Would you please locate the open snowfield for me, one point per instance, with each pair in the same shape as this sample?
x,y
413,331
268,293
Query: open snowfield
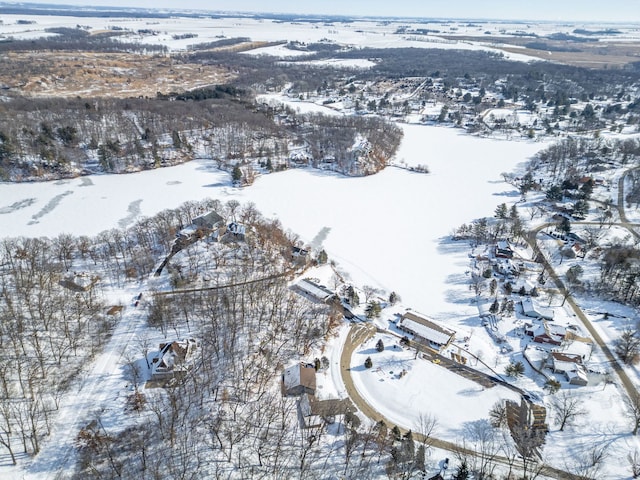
x,y
425,389
359,33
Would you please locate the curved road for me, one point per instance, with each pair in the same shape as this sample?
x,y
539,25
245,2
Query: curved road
x,y
360,333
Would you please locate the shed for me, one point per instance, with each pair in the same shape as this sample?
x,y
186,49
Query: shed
x,y
577,376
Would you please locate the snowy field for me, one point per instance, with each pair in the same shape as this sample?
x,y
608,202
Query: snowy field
x,y
425,389
359,33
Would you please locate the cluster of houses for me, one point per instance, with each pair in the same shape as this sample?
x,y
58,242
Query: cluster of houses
x,y
569,350
299,380
564,351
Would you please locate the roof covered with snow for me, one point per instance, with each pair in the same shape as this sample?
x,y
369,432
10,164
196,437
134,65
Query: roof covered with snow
x,y
426,328
299,374
531,309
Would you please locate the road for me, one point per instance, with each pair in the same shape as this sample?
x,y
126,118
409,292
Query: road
x,y
100,392
531,239
360,333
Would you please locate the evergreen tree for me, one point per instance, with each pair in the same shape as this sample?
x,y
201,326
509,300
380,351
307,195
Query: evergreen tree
x,y
513,214
565,225
380,346
463,471
322,257
554,193
373,309
236,175
501,211
552,385
368,363
420,458
495,306
515,369
177,141
394,298
581,208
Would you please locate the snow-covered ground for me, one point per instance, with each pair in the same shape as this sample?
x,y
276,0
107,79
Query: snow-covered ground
x,y
425,389
390,230
359,33
387,230
297,106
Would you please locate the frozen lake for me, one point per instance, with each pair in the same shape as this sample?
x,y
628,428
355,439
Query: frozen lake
x,y
385,230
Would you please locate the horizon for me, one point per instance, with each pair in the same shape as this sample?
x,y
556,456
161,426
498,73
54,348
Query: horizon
x,y
585,11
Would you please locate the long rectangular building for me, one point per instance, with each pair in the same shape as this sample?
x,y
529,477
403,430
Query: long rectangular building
x,y
426,330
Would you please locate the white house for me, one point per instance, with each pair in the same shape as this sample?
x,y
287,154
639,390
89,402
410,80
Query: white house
x,y
530,308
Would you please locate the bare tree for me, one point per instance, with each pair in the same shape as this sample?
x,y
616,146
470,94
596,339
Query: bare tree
x,y
567,409
426,425
588,464
634,462
633,406
628,345
498,414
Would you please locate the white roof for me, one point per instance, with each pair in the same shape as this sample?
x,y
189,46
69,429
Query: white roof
x,y
531,309
564,366
578,348
292,376
577,372
426,332
316,291
504,245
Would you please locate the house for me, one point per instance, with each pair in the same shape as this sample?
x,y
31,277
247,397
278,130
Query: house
x,y
530,308
174,358
578,376
208,221
563,362
546,332
299,255
236,231
506,266
577,345
524,287
299,379
503,249
317,292
427,331
313,413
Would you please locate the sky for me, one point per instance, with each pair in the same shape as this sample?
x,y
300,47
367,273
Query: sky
x,y
565,10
